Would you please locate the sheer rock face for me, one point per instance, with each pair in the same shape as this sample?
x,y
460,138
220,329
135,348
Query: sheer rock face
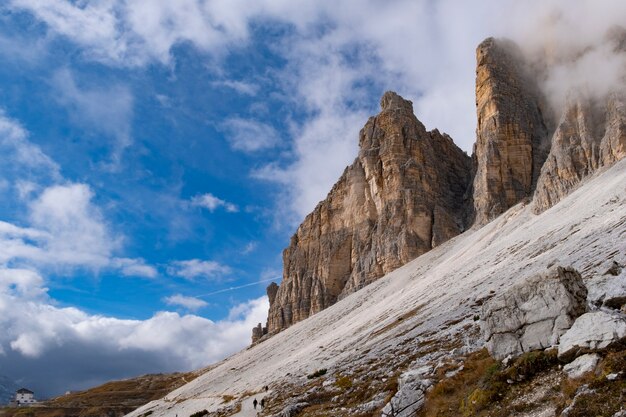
x,y
585,140
404,194
512,131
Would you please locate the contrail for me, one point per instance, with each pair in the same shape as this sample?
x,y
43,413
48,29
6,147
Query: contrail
x,y
237,287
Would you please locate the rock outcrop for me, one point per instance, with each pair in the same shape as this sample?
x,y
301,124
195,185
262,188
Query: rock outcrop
x,y
593,332
609,290
404,194
259,331
410,190
512,134
534,314
582,365
410,397
586,139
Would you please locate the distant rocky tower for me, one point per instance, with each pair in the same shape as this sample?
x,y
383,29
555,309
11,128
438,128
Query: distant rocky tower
x,y
512,136
404,194
589,136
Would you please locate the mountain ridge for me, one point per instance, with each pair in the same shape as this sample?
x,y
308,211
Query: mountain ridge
x,y
406,194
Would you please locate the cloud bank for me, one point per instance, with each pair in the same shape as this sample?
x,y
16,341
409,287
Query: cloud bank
x,y
54,349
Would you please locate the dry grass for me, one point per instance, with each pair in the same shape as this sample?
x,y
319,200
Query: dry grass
x,y
609,396
108,400
483,383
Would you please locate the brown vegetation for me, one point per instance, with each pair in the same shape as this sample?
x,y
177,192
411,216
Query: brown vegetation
x,y
111,399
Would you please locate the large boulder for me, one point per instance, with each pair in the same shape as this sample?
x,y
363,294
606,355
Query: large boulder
x,y
582,365
593,332
533,314
410,397
609,290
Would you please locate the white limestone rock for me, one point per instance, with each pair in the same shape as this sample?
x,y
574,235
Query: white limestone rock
x,y
593,332
410,396
582,365
609,290
533,314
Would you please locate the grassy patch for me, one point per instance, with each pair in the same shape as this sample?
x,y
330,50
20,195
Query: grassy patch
x,y
227,398
344,382
482,383
608,396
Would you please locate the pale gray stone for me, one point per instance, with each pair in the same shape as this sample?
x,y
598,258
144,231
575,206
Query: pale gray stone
x,y
592,332
534,314
582,365
608,290
410,396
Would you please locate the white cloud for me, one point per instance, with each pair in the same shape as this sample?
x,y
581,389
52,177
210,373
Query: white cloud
x,y
20,152
250,135
76,226
241,87
108,110
67,230
190,303
212,203
133,267
249,248
196,268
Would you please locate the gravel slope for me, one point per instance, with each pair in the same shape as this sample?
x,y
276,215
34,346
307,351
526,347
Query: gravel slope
x,y
436,295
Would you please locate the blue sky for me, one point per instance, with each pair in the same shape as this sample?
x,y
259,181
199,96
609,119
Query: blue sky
x,y
156,157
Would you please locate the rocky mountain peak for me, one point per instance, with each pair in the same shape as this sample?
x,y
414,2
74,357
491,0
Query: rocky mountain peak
x,y
392,101
512,133
402,196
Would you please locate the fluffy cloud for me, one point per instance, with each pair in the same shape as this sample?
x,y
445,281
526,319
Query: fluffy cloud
x,y
133,267
67,231
250,135
241,87
212,203
18,152
190,303
78,234
196,268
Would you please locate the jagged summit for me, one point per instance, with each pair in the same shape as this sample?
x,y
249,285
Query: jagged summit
x,y
589,136
512,137
402,196
392,101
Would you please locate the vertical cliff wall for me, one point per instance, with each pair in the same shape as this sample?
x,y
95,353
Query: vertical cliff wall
x,y
512,135
404,194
